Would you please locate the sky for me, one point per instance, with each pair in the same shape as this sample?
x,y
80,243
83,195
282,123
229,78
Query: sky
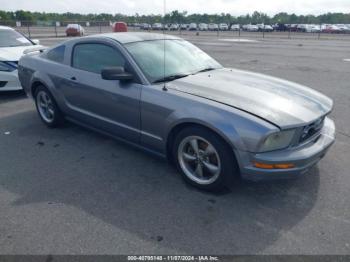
x,y
234,7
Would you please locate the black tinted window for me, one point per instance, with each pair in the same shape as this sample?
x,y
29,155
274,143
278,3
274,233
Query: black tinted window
x,y
57,54
95,57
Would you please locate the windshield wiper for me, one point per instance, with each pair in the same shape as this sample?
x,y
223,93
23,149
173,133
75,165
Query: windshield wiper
x,y
170,78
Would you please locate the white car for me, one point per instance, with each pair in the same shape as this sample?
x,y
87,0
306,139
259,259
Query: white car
x,y
343,28
213,27
235,27
157,26
203,27
313,28
12,46
223,27
252,28
174,27
192,27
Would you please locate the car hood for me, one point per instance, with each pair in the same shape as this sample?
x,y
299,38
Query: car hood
x,y
278,101
13,53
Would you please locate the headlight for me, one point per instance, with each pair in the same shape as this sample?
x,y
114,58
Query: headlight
x,y
7,66
278,140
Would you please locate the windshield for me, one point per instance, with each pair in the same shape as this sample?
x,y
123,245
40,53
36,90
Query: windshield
x,y
11,38
181,58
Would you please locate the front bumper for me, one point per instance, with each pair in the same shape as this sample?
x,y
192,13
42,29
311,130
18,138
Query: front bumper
x,y
9,81
303,157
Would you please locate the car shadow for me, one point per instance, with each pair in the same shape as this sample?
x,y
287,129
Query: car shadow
x,y
140,194
8,96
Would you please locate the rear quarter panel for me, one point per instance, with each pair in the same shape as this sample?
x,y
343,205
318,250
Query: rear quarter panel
x,y
27,66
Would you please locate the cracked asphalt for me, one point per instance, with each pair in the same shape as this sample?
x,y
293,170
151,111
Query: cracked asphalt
x,y
72,191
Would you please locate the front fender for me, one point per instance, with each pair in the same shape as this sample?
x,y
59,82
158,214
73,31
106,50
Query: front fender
x,y
241,130
162,111
226,131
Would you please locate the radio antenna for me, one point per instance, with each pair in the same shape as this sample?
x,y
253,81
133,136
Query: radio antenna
x,y
164,39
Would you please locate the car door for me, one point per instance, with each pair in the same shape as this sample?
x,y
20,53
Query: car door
x,y
110,105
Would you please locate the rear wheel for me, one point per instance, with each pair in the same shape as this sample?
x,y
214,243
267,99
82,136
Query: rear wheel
x,y
47,107
204,159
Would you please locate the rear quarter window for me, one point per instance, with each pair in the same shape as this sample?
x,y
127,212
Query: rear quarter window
x,y
56,54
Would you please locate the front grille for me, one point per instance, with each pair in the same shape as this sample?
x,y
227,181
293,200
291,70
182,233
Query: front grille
x,y
311,131
3,83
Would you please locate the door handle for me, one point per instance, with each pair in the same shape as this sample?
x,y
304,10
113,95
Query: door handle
x,y
73,78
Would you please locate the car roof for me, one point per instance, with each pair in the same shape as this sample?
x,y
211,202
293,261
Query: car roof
x,y
73,25
130,37
6,28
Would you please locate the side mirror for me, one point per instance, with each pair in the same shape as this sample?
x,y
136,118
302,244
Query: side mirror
x,y
116,73
35,41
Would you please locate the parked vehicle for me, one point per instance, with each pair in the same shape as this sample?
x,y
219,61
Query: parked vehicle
x,y
343,28
12,46
120,27
146,26
233,123
174,27
252,28
293,27
333,29
192,27
312,29
203,27
74,30
157,26
348,27
184,26
265,28
235,27
213,27
223,27
301,28
280,27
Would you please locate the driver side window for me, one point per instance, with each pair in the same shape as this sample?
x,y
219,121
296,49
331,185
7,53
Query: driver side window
x,y
95,57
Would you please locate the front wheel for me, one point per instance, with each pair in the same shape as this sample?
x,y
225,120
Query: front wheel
x,y
204,159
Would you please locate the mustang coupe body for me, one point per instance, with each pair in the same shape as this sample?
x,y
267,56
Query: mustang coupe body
x,y
165,95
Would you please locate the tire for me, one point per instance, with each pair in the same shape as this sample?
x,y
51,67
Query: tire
x,y
47,108
217,162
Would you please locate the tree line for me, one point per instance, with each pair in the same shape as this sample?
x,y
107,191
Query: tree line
x,y
178,17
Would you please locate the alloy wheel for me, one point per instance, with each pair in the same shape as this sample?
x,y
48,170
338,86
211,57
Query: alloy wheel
x,y
199,160
45,106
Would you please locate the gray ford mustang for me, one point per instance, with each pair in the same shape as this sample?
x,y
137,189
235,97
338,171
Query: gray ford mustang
x,y
216,124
